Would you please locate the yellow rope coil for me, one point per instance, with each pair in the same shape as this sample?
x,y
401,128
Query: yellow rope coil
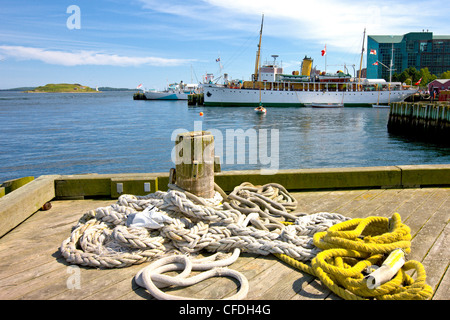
x,y
351,246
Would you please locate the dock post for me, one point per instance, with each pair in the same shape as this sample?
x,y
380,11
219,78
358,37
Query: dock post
x,y
194,156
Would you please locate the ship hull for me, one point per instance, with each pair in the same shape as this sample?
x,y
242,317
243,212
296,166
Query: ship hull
x,y
223,96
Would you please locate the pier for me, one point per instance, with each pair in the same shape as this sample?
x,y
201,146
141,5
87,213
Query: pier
x,y
139,96
196,99
422,121
32,266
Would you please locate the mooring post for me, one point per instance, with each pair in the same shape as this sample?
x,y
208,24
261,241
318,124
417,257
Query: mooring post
x,y
194,156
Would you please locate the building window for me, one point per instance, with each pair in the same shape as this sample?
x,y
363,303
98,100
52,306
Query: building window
x,y
410,45
438,46
423,46
411,59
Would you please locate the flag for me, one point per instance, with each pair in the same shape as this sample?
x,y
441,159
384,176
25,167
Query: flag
x,y
324,51
373,51
139,86
418,82
218,59
375,63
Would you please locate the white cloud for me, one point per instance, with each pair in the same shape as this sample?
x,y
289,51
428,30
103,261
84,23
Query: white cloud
x,y
338,23
78,58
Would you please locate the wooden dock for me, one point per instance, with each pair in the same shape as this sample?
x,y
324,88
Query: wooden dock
x,y
31,266
421,121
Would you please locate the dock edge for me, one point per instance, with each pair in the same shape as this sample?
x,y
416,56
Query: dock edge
x,y
18,205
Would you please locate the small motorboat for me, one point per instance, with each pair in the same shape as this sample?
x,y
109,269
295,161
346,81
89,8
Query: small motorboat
x,y
327,105
260,110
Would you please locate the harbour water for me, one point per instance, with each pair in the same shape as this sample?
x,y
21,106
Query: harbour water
x,y
109,132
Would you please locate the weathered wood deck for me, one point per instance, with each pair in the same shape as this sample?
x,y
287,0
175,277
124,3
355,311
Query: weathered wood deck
x,y
31,266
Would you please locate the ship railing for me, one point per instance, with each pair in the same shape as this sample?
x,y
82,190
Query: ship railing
x,y
317,86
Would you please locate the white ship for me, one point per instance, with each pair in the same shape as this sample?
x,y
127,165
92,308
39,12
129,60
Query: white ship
x,y
173,92
279,94
274,89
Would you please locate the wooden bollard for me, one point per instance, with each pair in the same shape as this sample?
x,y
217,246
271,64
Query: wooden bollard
x,y
194,156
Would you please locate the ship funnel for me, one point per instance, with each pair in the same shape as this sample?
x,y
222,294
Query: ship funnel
x,y
306,66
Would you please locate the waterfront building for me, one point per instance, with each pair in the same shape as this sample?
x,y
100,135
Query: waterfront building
x,y
441,84
414,49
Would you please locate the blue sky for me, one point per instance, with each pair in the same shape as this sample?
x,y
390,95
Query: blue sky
x,y
126,43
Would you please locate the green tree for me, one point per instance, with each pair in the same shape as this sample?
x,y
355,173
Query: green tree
x,y
414,74
395,77
445,75
403,76
426,76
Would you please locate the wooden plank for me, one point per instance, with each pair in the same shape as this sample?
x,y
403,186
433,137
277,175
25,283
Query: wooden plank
x,y
97,280
307,200
34,279
437,260
328,201
423,175
12,185
336,200
19,246
348,208
418,197
20,204
288,284
424,211
394,198
315,290
371,203
425,238
443,291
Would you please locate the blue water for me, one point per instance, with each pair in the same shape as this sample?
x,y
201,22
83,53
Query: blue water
x,y
111,133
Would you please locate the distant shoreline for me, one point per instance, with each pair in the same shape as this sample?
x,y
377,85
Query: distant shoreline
x,y
42,89
62,87
32,91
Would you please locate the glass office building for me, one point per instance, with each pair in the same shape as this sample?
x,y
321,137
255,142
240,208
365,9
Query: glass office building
x,y
414,49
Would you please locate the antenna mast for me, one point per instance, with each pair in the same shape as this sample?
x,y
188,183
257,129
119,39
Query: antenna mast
x,y
258,53
362,53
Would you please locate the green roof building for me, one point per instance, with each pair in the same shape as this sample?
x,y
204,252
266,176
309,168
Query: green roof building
x,y
414,49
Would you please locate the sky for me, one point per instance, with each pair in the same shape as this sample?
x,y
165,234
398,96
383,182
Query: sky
x,y
122,44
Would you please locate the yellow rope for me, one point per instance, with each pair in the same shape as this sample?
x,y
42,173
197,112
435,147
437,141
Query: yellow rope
x,y
351,246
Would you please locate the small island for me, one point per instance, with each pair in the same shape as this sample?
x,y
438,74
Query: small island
x,y
62,87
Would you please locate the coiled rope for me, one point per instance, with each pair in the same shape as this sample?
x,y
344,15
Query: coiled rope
x,y
250,221
350,247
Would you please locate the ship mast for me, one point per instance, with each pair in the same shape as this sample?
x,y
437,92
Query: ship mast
x,y
258,53
362,53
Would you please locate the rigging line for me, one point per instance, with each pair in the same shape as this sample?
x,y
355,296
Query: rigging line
x,y
245,46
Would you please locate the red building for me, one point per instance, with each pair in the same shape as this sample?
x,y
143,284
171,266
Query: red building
x,y
438,85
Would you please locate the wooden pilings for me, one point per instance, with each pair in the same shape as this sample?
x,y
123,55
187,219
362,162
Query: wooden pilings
x,y
139,96
425,121
196,99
